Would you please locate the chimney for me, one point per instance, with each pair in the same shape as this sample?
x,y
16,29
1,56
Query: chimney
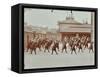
x,y
71,14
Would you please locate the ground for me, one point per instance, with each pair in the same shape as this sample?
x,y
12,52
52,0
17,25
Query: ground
x,y
46,60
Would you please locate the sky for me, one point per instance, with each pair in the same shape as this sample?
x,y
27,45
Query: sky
x,y
46,18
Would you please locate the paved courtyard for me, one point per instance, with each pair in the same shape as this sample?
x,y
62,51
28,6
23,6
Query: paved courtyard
x,y
46,60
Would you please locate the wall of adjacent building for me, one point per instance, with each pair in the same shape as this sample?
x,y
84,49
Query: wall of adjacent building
x,y
74,28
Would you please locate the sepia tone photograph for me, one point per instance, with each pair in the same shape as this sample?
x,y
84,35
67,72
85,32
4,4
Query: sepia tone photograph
x,y
58,38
